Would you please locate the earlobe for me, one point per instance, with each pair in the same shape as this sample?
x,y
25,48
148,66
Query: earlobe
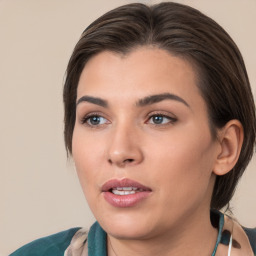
x,y
230,139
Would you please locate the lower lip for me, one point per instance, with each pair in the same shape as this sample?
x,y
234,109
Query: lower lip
x,y
125,200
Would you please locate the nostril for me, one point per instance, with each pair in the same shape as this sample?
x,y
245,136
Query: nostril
x,y
129,160
121,162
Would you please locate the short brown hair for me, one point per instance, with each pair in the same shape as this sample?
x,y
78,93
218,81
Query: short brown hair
x,y
186,32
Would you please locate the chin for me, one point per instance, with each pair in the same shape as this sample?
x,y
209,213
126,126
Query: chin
x,y
127,227
129,232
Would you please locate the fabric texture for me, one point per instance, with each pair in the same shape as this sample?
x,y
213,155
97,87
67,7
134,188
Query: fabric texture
x,y
251,233
53,245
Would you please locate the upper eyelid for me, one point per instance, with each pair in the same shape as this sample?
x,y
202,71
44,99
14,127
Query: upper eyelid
x,y
92,113
162,113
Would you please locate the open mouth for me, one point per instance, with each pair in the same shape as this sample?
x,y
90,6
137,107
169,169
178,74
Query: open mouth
x,y
125,192
124,187
121,191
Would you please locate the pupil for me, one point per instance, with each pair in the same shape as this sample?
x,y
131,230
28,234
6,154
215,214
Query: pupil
x,y
95,120
158,119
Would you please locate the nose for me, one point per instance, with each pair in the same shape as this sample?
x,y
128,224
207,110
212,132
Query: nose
x,y
125,148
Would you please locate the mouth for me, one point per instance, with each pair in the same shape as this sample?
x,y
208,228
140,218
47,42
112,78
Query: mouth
x,y
124,187
125,192
122,191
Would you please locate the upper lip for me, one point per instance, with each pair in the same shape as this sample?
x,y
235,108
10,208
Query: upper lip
x,y
115,183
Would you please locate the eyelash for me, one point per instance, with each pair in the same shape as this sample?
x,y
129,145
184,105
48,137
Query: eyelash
x,y
171,120
85,119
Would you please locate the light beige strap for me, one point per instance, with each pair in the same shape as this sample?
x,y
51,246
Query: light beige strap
x,y
78,244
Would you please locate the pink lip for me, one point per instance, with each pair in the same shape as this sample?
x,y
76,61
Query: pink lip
x,y
124,200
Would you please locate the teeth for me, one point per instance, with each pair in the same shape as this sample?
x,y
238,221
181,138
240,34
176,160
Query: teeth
x,y
122,192
125,190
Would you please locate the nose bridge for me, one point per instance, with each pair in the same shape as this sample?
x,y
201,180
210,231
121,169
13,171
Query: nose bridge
x,y
124,147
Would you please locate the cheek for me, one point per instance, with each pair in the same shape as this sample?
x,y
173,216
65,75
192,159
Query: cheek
x,y
87,166
86,154
183,164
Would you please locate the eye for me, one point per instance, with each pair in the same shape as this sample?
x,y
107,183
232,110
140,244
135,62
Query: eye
x,y
160,119
94,120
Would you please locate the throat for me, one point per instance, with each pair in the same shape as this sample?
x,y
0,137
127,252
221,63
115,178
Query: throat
x,y
189,241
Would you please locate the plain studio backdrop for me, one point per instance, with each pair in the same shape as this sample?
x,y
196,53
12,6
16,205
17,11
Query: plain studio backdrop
x,y
39,191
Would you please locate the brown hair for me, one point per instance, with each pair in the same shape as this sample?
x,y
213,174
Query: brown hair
x,y
185,32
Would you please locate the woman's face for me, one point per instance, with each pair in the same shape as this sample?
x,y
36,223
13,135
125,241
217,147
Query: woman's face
x,y
142,145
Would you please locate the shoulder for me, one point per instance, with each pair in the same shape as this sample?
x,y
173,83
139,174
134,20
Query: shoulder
x,y
251,233
53,245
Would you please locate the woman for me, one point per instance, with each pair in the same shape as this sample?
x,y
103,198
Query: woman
x,y
160,121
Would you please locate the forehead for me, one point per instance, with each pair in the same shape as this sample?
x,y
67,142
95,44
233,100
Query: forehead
x,y
145,70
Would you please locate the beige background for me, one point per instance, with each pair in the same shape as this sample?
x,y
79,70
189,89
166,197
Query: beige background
x,y
39,191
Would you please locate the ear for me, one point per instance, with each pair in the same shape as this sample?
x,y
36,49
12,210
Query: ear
x,y
230,139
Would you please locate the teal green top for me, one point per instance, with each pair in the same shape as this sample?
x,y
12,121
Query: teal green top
x,y
56,244
53,245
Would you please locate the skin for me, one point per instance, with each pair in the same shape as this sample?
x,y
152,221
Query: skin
x,y
175,158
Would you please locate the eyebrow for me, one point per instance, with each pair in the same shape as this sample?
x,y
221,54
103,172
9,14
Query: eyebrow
x,y
94,100
160,97
149,100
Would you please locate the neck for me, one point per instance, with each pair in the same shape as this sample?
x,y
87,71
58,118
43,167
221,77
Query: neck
x,y
195,236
